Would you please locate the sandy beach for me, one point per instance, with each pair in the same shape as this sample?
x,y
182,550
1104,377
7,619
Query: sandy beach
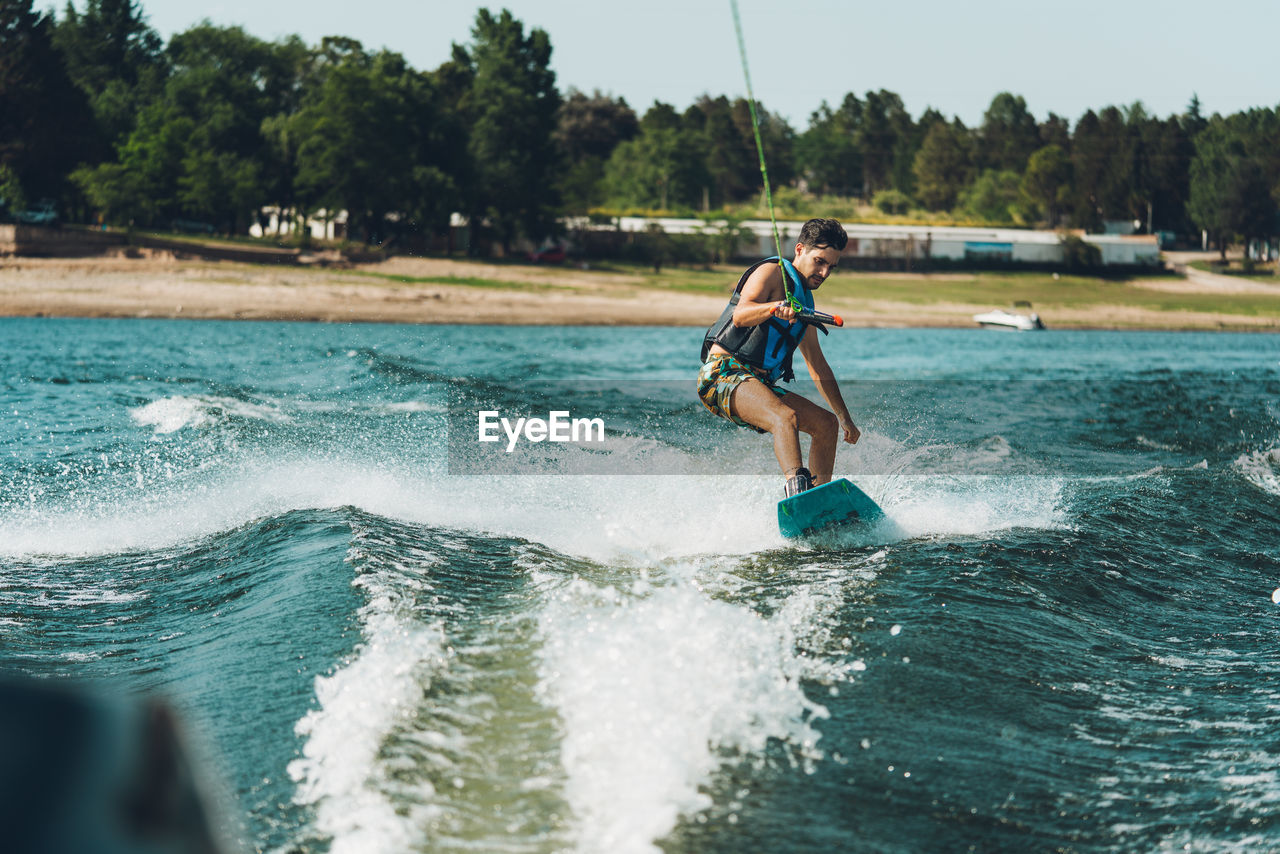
x,y
156,284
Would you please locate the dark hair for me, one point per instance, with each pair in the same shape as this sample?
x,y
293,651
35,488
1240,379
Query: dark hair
x,y
825,233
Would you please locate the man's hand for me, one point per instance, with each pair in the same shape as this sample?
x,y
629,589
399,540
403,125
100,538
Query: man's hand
x,y
851,431
783,311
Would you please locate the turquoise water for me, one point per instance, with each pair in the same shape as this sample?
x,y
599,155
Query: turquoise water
x,y
1064,637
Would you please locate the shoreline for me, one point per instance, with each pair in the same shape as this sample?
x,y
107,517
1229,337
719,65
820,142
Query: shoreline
x,y
446,291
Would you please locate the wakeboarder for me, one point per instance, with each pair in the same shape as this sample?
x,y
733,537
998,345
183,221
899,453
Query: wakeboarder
x,y
749,349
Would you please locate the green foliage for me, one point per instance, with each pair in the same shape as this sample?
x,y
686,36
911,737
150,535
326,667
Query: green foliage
x,y
44,119
1235,170
1162,178
197,149
703,159
115,58
119,192
362,142
863,147
12,196
511,108
894,202
885,137
217,125
1079,256
725,235
588,130
994,197
1103,156
828,154
725,144
944,165
1046,185
1008,135
659,168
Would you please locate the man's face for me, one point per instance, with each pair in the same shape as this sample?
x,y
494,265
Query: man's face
x,y
815,263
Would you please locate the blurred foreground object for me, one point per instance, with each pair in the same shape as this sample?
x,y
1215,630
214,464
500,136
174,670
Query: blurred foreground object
x,y
86,771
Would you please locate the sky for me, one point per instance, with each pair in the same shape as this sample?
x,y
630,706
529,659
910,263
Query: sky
x,y
952,55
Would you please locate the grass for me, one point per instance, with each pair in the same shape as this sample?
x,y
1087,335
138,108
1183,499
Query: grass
x,y
463,281
1045,292
979,288
1266,273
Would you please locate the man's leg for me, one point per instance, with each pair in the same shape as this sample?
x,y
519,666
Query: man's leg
x,y
786,417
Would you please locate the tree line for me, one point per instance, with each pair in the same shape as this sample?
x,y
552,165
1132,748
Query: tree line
x,y
216,125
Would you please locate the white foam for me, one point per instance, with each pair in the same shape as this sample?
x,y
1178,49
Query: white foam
x,y
651,689
1262,469
171,414
968,506
635,518
629,518
192,505
360,705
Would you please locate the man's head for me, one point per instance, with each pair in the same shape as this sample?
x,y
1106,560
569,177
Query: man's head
x,y
818,250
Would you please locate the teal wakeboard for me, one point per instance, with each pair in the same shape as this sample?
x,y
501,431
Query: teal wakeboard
x,y
834,506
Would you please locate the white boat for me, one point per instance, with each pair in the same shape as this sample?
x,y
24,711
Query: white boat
x,y
1001,319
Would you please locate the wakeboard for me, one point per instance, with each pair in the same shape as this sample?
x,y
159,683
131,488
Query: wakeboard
x,y
834,506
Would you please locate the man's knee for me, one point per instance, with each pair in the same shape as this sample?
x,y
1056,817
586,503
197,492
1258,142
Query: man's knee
x,y
784,421
825,425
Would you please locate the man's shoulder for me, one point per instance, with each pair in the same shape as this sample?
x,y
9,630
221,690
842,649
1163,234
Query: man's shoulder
x,y
766,275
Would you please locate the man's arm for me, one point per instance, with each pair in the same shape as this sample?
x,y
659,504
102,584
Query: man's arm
x,y
816,362
761,298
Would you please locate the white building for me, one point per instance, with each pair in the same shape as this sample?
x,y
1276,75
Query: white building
x,y
918,242
321,224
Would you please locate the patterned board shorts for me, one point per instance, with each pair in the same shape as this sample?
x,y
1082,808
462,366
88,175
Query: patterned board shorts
x,y
719,376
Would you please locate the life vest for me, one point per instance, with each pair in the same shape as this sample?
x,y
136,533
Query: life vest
x,y
770,345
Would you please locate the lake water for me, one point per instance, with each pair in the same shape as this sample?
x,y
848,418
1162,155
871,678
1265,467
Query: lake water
x,y
392,637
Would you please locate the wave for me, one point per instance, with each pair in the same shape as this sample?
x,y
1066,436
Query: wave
x,y
360,705
171,414
190,492
656,688
636,520
594,717
185,412
1261,468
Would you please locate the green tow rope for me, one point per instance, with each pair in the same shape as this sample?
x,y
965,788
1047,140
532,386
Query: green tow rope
x,y
764,170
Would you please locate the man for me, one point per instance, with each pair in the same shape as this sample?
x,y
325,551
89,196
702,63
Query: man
x,y
750,347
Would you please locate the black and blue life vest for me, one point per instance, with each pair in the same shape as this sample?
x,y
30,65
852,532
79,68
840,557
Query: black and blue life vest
x,y
770,345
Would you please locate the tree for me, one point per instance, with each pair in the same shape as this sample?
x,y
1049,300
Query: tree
x,y
778,140
116,58
44,119
288,83
1161,169
371,140
1102,157
1230,193
828,154
994,197
588,129
226,83
1055,130
885,140
512,107
661,168
944,165
1008,135
198,150
729,154
1193,120
141,185
1046,185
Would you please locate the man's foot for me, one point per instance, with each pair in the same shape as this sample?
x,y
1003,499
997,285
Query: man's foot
x,y
799,482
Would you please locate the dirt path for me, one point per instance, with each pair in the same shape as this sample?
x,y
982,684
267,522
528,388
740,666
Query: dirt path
x,y
157,285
